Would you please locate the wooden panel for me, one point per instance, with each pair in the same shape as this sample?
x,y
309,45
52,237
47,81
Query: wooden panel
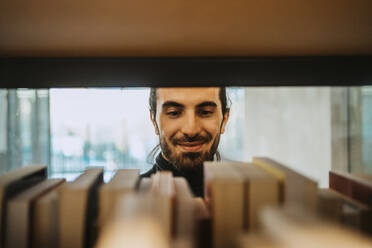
x,y
185,28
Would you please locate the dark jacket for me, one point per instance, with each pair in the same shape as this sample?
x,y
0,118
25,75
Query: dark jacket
x,y
194,178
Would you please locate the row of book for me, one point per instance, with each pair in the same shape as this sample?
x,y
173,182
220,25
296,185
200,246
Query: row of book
x,y
258,204
40,212
267,204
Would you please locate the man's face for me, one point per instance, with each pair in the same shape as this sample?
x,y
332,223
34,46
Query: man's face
x,y
189,122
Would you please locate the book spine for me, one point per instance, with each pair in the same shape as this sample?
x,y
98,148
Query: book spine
x,y
350,188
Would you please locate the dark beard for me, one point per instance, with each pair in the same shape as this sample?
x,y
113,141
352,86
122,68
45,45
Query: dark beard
x,y
189,161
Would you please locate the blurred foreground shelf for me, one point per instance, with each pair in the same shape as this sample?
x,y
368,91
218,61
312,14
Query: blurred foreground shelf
x,y
258,204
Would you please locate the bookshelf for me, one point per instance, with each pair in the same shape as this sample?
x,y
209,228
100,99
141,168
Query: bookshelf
x,y
55,72
337,43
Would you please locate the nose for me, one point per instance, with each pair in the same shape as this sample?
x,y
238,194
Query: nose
x,y
191,125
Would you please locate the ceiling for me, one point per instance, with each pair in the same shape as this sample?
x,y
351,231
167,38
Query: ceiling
x,y
69,28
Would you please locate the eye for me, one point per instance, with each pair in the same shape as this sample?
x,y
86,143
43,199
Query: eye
x,y
205,113
173,113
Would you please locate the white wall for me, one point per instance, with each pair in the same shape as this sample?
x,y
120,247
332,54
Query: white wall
x,y
291,125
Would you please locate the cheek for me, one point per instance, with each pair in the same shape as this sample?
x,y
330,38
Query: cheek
x,y
212,127
168,128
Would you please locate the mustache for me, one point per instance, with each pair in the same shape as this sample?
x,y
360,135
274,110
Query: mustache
x,y
196,138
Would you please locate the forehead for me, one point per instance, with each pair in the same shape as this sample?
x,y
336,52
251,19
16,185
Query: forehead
x,y
188,96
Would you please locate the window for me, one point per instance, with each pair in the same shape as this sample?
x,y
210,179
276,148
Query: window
x,y
112,128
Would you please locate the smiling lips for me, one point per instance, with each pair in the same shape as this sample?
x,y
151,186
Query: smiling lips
x,y
191,146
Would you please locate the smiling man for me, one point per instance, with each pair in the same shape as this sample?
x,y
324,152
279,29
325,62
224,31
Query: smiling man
x,y
189,122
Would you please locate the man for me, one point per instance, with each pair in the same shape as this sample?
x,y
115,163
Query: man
x,y
189,122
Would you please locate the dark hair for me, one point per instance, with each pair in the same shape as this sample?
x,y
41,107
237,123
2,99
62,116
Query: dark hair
x,y
152,103
223,99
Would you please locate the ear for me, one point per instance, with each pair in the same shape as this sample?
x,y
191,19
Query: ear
x,y
152,117
224,121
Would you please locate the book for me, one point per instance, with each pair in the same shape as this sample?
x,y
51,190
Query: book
x,y
355,187
297,227
224,195
367,177
20,213
162,186
78,206
184,211
144,185
261,190
14,182
45,232
203,233
202,211
296,188
136,223
258,240
124,181
345,210
330,205
243,188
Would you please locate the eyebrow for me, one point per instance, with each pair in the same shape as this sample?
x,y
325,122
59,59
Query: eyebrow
x,y
207,104
168,104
